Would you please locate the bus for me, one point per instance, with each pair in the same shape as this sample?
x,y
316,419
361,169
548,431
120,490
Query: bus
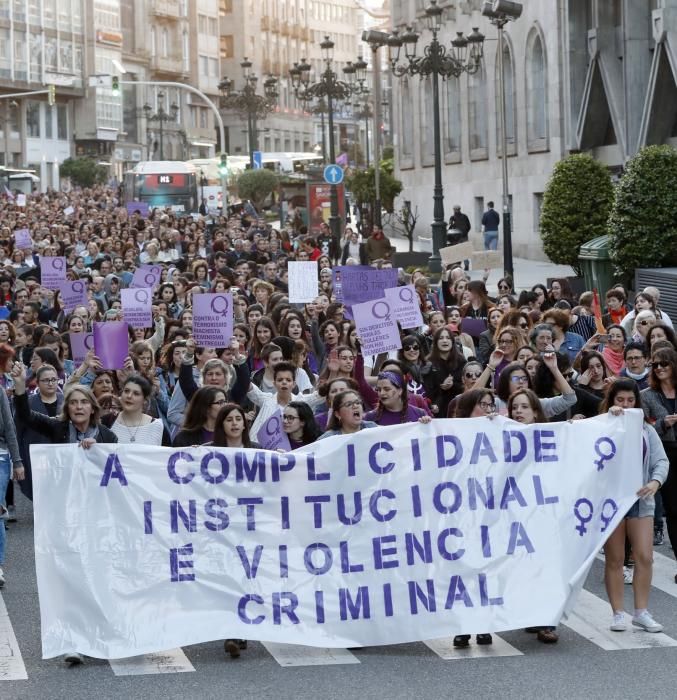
x,y
18,180
163,183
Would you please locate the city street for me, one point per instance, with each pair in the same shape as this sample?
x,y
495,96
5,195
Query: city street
x,y
588,662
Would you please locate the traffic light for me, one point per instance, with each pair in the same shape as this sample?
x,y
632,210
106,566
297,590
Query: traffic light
x,y
223,165
51,95
115,85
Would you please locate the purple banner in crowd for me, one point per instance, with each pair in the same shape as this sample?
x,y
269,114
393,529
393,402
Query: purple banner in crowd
x,y
271,436
406,306
141,207
136,307
81,344
213,320
357,283
111,343
52,271
376,327
73,294
22,239
146,276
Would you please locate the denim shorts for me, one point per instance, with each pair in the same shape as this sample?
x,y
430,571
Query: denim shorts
x,y
634,511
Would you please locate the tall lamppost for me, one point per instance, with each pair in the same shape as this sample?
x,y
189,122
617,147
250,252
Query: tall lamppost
x,y
500,12
463,56
333,89
161,117
321,109
250,105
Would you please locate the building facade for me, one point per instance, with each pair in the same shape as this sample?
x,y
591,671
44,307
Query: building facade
x,y
580,75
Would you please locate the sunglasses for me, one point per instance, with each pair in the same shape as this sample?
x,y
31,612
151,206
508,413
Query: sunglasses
x,y
472,375
660,364
523,325
411,347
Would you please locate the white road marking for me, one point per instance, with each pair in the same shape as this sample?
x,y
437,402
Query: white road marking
x,y
172,661
446,650
299,655
12,666
664,570
591,619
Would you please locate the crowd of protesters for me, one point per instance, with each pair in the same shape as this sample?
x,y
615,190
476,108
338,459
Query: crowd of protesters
x,y
534,355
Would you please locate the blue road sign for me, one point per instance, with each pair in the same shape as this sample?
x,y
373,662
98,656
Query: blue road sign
x,y
258,160
333,174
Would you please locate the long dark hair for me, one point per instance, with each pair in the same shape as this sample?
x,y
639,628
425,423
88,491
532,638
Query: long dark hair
x,y
198,408
503,386
333,423
455,358
311,430
467,401
618,385
220,439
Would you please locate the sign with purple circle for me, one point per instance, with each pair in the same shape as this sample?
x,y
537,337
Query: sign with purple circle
x,y
137,307
146,277
81,344
213,320
271,436
376,327
52,271
22,239
111,343
405,305
73,294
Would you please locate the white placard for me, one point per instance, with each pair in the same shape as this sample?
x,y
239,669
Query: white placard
x,y
456,253
302,281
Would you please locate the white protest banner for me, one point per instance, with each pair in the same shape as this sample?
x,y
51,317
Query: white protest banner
x,y
302,281
137,307
21,200
487,259
213,320
456,253
68,211
387,536
406,306
271,436
376,327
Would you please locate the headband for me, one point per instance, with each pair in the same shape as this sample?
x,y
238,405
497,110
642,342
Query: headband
x,y
392,377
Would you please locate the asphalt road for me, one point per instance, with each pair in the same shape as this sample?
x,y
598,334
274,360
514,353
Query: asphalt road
x,y
583,664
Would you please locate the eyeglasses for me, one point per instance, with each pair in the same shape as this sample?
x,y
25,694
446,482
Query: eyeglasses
x,y
220,402
506,342
289,418
351,404
52,380
487,405
660,364
472,375
411,348
519,379
503,287
634,358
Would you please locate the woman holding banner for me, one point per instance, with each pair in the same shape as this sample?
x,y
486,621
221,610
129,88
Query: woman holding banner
x,y
347,415
299,424
201,414
393,407
637,525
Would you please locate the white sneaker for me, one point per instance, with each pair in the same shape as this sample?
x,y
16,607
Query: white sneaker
x,y
618,624
628,573
73,658
646,622
2,578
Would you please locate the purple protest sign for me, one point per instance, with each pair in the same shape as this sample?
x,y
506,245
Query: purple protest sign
x,y
146,277
81,344
405,305
111,343
73,294
22,239
271,436
136,307
52,271
357,283
213,320
376,327
141,207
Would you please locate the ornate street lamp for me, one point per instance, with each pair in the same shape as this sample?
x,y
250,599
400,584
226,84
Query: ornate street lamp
x,y
463,55
161,117
248,104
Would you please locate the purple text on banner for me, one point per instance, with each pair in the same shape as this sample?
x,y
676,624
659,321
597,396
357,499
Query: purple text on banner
x,y
146,276
52,271
137,307
357,283
73,294
22,239
111,343
81,344
271,436
141,207
376,327
406,306
213,320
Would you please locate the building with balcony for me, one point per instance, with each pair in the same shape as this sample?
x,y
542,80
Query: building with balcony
x,y
40,44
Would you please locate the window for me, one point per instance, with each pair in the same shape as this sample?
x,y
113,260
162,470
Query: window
x,y
538,206
213,67
453,122
33,119
537,92
477,111
164,43
49,122
213,26
186,52
227,46
153,42
509,88
407,120
225,6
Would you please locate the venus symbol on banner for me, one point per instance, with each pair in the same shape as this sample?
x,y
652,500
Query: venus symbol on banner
x,y
405,306
383,313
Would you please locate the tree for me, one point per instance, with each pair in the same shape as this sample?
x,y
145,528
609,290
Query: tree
x,y
362,184
257,185
643,221
83,172
408,219
576,205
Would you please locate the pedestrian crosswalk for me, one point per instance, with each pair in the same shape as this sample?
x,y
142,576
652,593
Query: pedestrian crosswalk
x,y
589,620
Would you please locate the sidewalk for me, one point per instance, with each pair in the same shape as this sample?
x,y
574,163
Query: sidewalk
x,y
527,272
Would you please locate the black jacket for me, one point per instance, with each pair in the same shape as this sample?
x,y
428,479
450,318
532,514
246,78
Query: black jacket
x,y
346,254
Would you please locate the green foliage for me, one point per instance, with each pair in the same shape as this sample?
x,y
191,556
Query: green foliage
x,y
83,172
361,184
576,205
257,185
643,220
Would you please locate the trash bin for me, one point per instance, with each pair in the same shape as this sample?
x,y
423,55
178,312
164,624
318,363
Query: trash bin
x,y
596,265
